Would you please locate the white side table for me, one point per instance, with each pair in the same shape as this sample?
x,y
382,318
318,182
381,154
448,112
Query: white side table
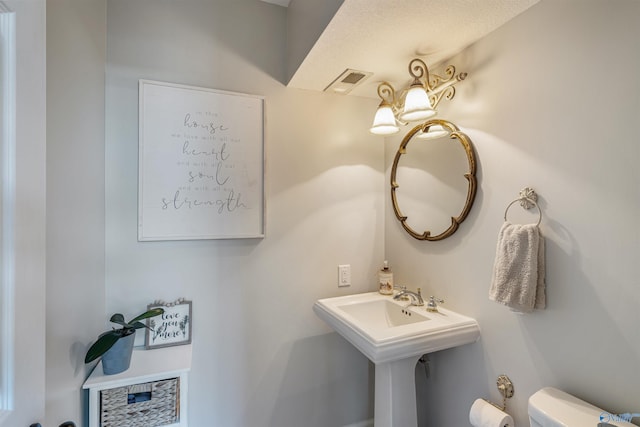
x,y
146,366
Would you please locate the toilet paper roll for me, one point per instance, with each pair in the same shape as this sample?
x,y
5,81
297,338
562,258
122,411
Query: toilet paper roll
x,y
484,414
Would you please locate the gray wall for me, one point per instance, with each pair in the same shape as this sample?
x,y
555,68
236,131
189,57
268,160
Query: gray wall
x,y
306,20
260,355
546,104
76,43
550,102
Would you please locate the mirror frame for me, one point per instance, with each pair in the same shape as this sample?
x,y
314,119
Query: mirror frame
x,y
454,133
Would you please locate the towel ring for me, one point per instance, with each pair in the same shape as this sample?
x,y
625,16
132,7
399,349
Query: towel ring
x,y
528,199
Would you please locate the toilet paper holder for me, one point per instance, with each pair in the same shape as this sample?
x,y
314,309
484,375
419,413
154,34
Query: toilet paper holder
x,y
505,387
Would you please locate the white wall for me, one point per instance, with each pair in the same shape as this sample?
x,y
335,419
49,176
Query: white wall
x,y
260,355
552,102
76,36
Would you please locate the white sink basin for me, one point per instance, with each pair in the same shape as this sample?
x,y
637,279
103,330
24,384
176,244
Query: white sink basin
x,y
381,314
385,330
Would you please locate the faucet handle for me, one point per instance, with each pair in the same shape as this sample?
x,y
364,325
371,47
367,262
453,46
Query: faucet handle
x,y
432,305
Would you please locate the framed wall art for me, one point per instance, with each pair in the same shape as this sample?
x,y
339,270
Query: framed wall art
x,y
171,328
201,163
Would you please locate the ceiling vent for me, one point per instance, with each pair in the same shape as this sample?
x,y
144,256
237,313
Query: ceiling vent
x,y
346,81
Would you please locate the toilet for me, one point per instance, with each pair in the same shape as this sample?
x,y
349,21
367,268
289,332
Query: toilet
x,y
550,407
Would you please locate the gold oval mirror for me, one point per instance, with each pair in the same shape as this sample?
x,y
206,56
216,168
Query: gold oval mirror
x,y
437,177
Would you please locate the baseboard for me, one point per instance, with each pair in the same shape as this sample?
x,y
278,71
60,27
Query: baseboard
x,y
366,423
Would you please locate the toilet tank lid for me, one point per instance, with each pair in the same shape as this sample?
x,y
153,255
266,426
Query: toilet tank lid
x,y
551,407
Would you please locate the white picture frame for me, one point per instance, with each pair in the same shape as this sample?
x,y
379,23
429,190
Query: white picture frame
x,y
201,163
171,328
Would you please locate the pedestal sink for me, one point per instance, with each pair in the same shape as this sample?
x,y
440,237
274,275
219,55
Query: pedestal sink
x,y
394,336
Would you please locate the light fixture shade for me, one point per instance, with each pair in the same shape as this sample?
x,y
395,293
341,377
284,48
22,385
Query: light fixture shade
x,y
417,105
435,131
384,122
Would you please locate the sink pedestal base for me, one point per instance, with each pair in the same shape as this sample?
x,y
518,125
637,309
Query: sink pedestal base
x,y
394,336
395,394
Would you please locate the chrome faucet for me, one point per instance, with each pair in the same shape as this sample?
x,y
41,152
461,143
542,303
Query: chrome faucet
x,y
403,297
416,297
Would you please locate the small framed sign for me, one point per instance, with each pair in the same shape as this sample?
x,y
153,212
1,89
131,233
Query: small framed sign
x,y
171,328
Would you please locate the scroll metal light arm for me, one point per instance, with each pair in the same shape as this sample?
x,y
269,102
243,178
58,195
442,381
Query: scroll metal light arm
x,y
437,86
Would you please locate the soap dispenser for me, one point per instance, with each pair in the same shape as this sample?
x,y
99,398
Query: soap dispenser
x,y
385,280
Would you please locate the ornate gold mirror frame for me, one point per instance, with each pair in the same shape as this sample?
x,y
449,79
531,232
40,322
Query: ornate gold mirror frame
x,y
454,133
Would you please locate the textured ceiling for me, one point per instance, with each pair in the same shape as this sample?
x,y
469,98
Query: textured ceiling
x,y
382,36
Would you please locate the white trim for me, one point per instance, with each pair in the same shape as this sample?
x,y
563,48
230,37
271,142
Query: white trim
x,y
365,423
284,3
7,211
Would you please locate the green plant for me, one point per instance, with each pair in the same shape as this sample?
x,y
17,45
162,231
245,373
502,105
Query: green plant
x,y
106,340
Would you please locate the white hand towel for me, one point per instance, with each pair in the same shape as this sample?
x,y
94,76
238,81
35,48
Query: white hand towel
x,y
519,270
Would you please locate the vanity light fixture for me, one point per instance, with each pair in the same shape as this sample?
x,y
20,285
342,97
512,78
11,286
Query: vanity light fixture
x,y
417,102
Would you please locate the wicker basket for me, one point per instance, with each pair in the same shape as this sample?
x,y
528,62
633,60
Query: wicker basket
x,y
119,408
